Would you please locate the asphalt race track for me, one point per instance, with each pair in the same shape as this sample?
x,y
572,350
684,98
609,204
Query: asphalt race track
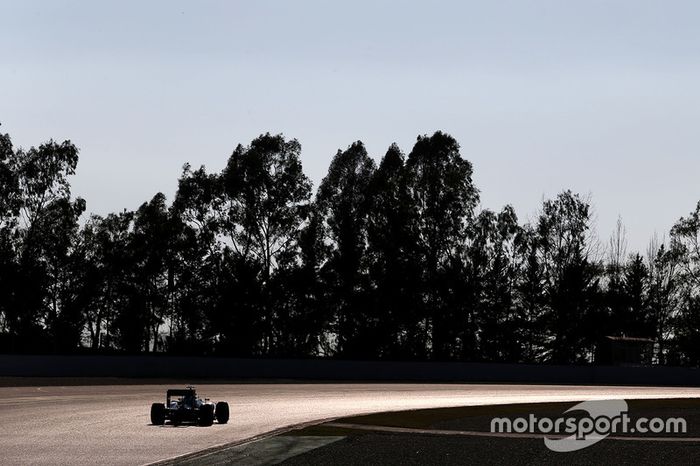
x,y
111,424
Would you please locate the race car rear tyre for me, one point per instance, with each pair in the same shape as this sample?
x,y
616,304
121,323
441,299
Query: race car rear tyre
x,y
206,415
222,412
157,414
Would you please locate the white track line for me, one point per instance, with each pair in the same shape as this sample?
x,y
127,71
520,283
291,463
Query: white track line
x,y
474,433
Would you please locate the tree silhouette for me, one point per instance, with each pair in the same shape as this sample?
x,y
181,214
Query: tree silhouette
x,y
663,298
443,194
386,262
685,248
394,269
571,277
268,195
38,227
199,258
343,204
494,272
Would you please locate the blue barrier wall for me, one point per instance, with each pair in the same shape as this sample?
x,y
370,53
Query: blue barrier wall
x,y
156,366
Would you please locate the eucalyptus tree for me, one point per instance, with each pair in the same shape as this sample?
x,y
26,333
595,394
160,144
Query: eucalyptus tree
x,y
685,246
198,204
151,274
531,301
300,300
444,196
343,202
39,225
493,273
394,268
572,276
266,200
685,242
103,267
616,299
198,209
636,292
268,195
9,184
664,297
64,295
9,212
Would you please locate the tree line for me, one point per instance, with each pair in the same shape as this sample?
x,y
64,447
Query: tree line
x,y
393,260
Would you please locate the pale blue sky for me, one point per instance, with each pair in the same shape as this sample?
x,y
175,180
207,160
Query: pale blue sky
x,y
602,97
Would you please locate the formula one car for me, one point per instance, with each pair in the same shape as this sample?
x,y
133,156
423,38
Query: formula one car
x,y
183,406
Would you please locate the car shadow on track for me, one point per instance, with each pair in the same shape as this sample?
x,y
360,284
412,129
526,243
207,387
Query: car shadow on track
x,y
175,426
